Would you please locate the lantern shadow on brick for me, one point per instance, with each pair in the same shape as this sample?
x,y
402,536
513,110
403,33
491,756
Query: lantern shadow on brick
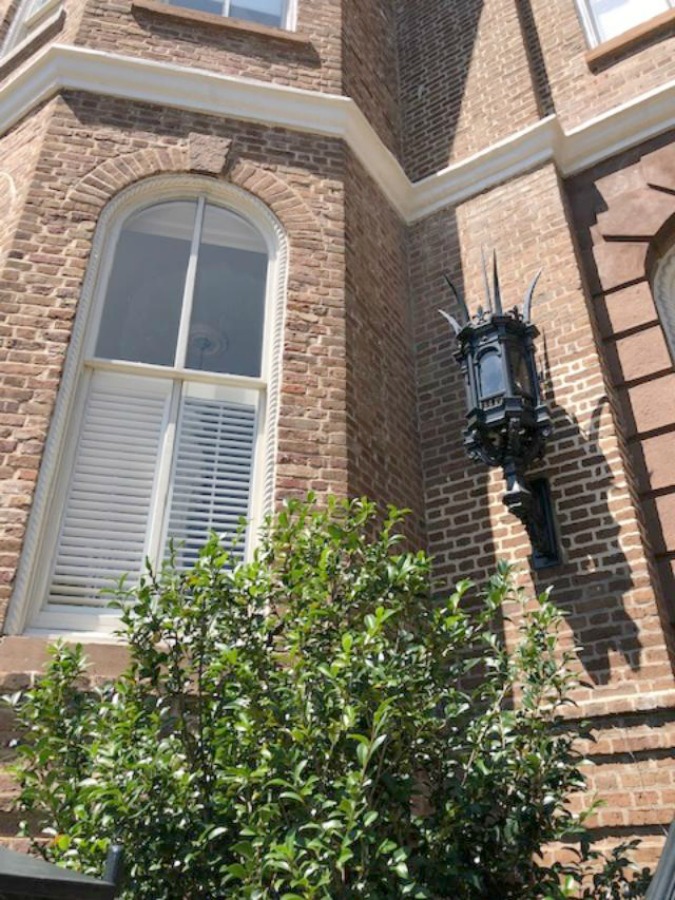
x,y
595,580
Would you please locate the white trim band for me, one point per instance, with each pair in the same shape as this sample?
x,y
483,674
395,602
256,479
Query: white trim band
x,y
60,67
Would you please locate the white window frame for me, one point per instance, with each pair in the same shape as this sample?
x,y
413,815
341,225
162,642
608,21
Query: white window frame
x,y
28,23
590,25
288,17
664,297
26,605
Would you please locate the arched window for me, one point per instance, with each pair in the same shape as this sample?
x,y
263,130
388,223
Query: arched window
x,y
166,432
664,296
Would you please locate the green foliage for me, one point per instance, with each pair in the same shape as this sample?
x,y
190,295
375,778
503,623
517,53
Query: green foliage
x,y
312,725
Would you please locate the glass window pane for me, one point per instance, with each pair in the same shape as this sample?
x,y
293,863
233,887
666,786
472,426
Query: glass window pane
x,y
143,301
208,6
264,12
491,375
226,326
613,17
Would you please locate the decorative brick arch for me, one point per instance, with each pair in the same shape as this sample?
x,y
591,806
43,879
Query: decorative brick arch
x,y
197,154
633,265
113,175
288,206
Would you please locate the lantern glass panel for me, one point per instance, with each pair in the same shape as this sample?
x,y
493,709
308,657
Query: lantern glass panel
x,y
520,372
491,374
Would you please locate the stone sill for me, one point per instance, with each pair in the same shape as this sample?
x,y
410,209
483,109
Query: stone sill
x,y
239,26
605,51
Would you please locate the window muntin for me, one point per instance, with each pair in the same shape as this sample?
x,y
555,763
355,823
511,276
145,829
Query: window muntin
x,y
168,427
273,13
606,19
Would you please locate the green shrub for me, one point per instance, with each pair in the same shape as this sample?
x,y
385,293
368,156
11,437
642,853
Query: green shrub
x,y
312,725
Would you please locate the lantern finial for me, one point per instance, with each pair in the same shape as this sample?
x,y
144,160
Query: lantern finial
x,y
527,305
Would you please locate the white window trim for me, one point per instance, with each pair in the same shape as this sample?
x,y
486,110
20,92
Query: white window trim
x,y
664,297
30,588
590,27
35,23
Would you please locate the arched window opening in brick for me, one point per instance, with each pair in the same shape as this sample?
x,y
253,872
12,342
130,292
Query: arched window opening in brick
x,y
664,295
169,431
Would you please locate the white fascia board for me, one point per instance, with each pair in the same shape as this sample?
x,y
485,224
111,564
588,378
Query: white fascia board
x,y
61,67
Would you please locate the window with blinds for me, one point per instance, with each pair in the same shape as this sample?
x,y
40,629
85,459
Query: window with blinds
x,y
170,404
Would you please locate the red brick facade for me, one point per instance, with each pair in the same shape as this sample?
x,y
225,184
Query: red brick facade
x,y
370,398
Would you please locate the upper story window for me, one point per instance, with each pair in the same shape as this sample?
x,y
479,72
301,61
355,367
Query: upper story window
x,y
606,19
31,18
273,13
165,436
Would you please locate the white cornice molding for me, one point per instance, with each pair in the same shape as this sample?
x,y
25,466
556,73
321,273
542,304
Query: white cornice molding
x,y
513,156
619,129
60,67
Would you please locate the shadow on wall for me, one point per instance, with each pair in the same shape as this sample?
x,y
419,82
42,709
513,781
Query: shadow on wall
x,y
436,41
438,49
592,584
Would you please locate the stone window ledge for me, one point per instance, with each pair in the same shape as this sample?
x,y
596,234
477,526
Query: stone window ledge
x,y
605,51
225,22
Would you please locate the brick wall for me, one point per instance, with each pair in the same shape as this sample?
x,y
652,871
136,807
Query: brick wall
x,y
117,26
370,65
465,79
383,442
606,583
577,92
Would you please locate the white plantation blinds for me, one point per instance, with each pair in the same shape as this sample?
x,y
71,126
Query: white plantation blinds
x,y
212,475
170,405
104,529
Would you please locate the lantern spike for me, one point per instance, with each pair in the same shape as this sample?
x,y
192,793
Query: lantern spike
x,y
452,321
527,305
486,280
495,281
460,300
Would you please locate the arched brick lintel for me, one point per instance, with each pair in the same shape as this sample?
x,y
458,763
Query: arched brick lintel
x,y
197,154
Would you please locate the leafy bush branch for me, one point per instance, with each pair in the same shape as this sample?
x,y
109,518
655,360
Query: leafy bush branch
x,y
312,724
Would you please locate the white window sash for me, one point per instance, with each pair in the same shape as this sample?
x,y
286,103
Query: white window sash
x,y
590,23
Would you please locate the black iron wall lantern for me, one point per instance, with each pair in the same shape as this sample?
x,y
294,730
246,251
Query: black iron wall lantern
x,y
508,423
